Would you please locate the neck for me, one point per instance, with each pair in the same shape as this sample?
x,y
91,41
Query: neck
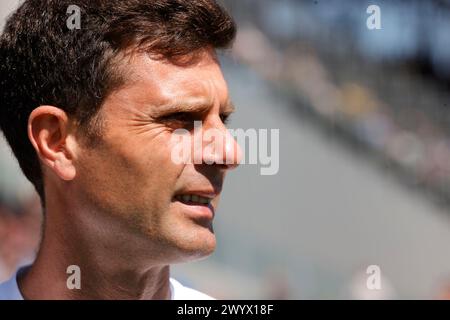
x,y
111,264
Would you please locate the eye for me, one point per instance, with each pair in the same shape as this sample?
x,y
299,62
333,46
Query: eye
x,y
179,116
179,120
186,119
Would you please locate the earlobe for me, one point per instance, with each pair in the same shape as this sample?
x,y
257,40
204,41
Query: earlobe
x,y
64,169
48,131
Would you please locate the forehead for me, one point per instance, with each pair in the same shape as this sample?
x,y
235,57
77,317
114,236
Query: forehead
x,y
160,82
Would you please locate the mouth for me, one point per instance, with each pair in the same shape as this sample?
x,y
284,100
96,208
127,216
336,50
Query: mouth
x,y
196,206
193,199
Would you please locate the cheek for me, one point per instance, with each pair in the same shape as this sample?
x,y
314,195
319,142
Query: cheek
x,y
133,174
147,165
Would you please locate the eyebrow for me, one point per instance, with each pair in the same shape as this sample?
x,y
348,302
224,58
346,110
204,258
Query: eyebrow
x,y
192,106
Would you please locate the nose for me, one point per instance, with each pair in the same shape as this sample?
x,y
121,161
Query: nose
x,y
220,147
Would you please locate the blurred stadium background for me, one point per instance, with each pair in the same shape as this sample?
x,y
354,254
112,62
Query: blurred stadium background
x,y
364,178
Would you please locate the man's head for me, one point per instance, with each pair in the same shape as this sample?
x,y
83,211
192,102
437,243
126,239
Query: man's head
x,y
90,112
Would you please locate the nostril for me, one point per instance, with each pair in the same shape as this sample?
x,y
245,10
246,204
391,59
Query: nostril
x,y
233,153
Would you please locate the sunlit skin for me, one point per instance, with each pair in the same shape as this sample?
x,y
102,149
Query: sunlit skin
x,y
111,208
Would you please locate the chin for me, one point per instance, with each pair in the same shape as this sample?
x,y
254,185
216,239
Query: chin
x,y
197,247
180,238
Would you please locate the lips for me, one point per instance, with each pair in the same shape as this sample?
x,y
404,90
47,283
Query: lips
x,y
193,199
196,204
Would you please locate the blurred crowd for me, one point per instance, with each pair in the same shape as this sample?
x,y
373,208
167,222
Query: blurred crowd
x,y
384,91
19,234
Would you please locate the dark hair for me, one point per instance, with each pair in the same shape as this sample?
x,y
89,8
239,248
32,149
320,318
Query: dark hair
x,y
44,62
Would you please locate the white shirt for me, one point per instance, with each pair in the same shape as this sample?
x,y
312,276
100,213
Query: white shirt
x,y
9,290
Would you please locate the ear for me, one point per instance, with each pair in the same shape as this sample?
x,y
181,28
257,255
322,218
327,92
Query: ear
x,y
48,129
